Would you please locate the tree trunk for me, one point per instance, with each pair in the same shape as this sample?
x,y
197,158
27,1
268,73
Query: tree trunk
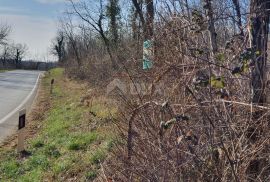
x,y
140,12
76,51
114,30
17,58
149,19
239,17
113,12
147,23
211,26
188,9
134,25
259,37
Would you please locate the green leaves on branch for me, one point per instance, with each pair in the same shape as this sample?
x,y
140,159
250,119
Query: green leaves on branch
x,y
245,59
243,68
217,82
214,81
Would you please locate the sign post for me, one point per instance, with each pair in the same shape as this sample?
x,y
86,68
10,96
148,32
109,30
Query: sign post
x,y
52,82
148,54
21,130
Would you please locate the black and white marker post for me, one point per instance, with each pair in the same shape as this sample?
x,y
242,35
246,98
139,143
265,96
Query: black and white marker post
x,y
21,130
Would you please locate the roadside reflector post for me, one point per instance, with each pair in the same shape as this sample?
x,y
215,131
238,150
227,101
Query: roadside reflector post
x,y
52,82
21,130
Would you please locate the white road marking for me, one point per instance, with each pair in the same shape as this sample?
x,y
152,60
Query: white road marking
x,y
16,110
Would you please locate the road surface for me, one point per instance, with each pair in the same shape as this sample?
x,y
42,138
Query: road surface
x,y
17,91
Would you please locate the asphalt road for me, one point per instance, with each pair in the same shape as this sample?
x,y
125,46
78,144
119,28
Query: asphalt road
x,y
17,90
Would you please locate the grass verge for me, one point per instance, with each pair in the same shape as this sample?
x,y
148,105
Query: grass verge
x,y
4,70
66,141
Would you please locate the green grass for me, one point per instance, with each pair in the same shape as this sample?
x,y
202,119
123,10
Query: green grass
x,y
98,156
64,145
91,175
4,70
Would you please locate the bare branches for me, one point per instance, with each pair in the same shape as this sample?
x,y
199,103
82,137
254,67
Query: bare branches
x,y
239,16
139,11
83,12
203,77
259,40
147,22
58,47
213,35
4,32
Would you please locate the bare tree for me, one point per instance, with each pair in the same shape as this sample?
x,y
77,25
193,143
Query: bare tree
x,y
58,48
149,18
211,27
138,8
7,53
68,29
86,37
95,20
188,8
134,26
239,16
147,22
20,51
113,12
259,38
4,32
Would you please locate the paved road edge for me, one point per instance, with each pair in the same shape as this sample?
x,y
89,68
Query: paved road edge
x,y
9,124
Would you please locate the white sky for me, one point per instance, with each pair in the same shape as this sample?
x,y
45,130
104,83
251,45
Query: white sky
x,y
37,33
33,22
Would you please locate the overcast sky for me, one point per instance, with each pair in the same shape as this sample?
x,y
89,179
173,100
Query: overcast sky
x,y
33,22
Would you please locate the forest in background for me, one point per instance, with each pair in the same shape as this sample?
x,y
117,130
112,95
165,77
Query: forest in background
x,y
211,122
12,55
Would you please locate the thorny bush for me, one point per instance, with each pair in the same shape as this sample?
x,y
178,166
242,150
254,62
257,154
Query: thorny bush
x,y
203,127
